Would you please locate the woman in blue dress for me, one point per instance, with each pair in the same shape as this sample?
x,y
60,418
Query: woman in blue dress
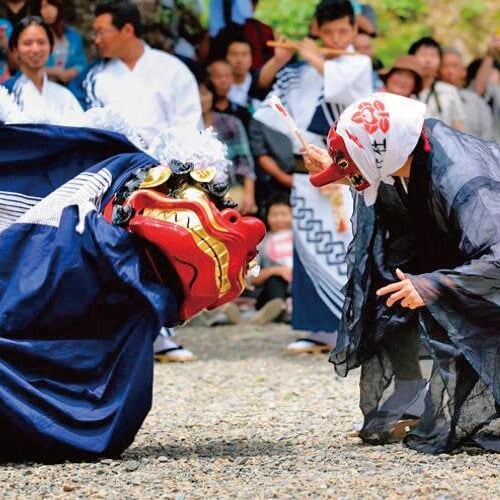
x,y
68,58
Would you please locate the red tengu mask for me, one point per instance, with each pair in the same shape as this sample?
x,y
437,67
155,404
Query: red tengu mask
x,y
342,165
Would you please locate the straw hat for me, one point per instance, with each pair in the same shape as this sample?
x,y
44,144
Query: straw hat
x,y
409,63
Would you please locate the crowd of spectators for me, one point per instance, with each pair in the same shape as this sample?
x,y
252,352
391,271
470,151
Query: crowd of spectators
x,y
220,78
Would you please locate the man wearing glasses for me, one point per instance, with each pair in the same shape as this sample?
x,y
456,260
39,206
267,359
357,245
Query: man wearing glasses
x,y
147,87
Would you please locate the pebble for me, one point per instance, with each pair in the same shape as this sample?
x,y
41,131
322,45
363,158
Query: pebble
x,y
131,465
247,421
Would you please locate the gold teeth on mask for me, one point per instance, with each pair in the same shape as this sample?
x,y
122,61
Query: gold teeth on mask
x,y
212,247
204,175
156,176
195,193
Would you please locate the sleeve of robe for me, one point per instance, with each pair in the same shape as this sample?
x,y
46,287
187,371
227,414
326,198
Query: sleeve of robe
x,y
465,300
347,78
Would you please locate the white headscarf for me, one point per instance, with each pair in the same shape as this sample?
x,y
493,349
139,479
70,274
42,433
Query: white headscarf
x,y
380,132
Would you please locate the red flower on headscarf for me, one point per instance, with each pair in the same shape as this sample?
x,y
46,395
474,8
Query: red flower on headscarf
x,y
372,116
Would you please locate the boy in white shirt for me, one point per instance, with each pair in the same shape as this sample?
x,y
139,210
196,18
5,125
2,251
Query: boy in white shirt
x,y
315,91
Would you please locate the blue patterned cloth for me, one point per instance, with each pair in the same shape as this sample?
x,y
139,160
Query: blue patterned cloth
x,y
78,309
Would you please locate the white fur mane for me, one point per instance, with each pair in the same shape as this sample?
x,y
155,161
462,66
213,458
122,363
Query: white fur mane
x,y
186,144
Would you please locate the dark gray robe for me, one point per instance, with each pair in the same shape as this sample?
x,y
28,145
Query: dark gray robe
x,y
445,234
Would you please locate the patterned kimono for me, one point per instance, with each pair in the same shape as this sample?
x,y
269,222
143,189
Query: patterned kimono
x,y
320,221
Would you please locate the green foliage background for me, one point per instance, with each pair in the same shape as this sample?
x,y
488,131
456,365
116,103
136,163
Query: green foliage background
x,y
464,24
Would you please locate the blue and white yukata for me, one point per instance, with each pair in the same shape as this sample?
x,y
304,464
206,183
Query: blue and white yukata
x,y
315,102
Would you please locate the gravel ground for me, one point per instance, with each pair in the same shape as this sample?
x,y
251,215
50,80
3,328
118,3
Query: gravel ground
x,y
247,421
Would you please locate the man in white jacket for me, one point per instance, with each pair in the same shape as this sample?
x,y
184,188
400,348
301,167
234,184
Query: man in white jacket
x,y
149,88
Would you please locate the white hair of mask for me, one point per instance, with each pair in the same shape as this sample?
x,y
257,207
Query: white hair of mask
x,y
101,118
186,144
107,118
189,145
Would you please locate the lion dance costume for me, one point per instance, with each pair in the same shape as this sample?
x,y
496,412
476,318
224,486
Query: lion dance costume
x,y
102,243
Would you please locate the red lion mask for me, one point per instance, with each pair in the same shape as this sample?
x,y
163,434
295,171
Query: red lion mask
x,y
209,245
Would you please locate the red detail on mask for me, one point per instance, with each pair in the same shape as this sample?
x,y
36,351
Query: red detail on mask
x,y
342,165
209,249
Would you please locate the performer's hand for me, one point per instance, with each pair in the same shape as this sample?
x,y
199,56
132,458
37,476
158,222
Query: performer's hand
x,y
330,189
308,50
403,291
281,55
316,159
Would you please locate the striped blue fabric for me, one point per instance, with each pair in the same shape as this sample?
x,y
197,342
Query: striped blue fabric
x,y
78,309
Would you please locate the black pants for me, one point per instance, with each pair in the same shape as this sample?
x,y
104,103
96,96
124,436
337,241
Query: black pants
x,y
273,288
403,349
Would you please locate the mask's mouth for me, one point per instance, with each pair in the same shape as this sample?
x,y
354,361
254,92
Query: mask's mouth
x,y
195,242
209,245
350,171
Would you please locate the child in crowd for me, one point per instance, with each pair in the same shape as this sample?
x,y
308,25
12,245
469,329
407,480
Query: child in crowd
x,y
315,91
276,261
221,80
247,90
231,131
